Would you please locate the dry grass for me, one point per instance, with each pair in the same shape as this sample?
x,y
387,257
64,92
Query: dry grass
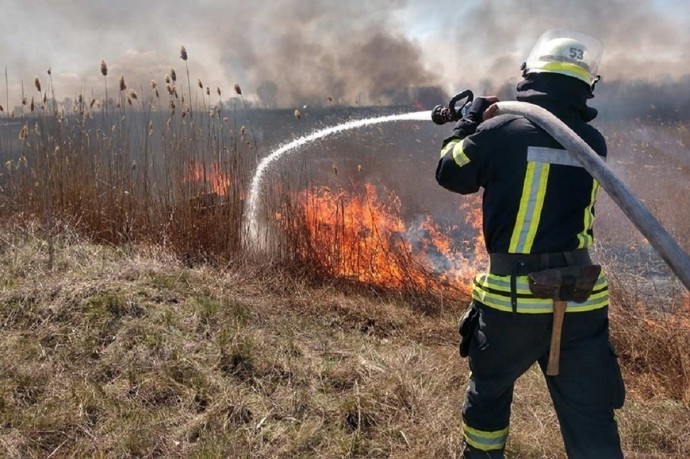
x,y
119,354
653,344
116,353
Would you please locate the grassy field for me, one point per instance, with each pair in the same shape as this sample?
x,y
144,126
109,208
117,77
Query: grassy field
x,y
135,323
129,352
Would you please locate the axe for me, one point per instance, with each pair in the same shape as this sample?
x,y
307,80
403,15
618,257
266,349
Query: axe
x,y
556,331
572,283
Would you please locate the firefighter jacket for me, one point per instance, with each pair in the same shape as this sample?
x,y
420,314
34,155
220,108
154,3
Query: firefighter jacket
x,y
536,198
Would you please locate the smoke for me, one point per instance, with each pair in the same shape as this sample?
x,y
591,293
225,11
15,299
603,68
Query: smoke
x,y
642,40
320,51
368,66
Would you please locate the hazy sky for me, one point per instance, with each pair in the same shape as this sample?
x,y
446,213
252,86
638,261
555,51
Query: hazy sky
x,y
314,49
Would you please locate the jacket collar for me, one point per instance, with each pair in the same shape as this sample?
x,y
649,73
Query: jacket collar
x,y
562,95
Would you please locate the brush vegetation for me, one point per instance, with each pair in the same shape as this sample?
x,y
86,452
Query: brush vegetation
x,y
135,323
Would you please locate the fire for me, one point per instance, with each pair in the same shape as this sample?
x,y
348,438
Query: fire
x,y
212,177
363,236
472,210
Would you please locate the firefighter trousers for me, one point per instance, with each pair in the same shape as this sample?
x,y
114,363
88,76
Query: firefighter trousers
x,y
588,388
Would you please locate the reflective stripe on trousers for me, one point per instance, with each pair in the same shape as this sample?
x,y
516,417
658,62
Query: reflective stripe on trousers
x,y
484,440
494,291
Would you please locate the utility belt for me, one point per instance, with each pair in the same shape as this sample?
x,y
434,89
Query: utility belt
x,y
519,264
560,276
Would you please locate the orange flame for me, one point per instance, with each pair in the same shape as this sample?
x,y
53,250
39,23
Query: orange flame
x,y
212,177
364,237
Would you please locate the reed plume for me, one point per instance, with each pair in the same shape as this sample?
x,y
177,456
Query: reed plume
x,y
183,55
154,85
123,85
104,72
37,83
238,90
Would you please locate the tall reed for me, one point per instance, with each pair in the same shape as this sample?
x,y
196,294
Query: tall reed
x,y
141,173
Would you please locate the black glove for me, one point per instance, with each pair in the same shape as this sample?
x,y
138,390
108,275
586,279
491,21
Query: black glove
x,y
478,107
468,124
468,324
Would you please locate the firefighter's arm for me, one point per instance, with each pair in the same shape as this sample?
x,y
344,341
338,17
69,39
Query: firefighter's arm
x,y
462,166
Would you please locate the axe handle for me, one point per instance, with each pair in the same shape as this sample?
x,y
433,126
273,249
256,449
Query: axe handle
x,y
552,367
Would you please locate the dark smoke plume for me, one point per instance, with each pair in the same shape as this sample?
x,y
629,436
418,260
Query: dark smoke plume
x,y
328,52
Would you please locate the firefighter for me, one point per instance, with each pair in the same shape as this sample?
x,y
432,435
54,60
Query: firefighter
x,y
538,211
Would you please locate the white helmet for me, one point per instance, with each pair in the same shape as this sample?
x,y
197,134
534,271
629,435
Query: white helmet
x,y
569,53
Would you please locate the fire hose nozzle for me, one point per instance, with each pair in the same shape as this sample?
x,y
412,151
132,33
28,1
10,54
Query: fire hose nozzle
x,y
442,114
